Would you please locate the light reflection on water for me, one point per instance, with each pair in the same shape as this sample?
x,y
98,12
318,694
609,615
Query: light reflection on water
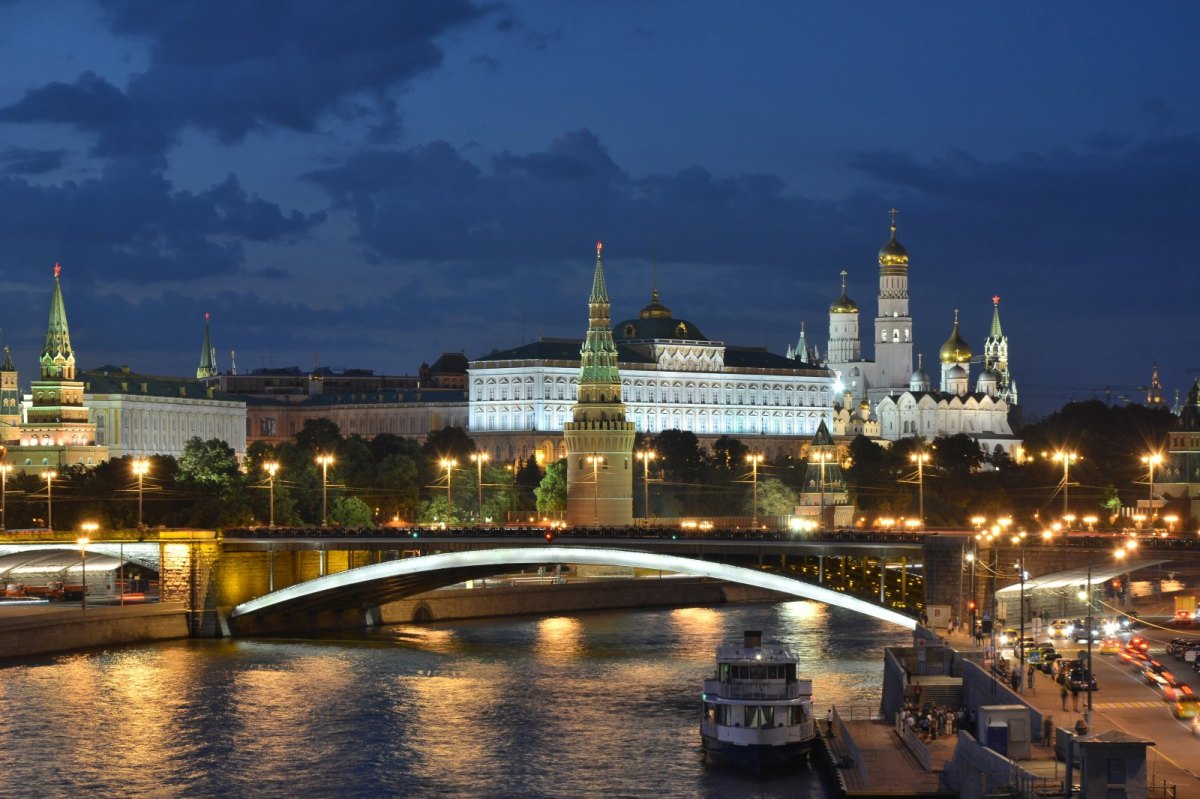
x,y
598,704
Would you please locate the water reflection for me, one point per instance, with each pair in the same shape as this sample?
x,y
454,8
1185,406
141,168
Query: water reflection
x,y
597,704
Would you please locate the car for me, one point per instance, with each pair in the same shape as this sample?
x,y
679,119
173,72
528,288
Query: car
x,y
1187,708
1048,661
1132,657
1058,628
1080,679
1176,646
1158,679
1183,618
1009,636
1110,646
1174,693
1137,642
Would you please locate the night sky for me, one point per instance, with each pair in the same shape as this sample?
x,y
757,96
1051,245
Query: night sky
x,y
380,182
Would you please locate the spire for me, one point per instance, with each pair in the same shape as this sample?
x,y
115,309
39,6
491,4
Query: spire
x,y
8,363
1154,392
996,332
58,336
599,290
208,360
802,351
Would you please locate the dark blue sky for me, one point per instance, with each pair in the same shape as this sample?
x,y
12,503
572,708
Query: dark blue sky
x,y
379,182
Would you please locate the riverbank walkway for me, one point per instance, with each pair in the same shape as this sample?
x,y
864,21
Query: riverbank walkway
x,y
875,762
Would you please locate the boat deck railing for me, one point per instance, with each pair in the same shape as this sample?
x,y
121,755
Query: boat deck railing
x,y
745,689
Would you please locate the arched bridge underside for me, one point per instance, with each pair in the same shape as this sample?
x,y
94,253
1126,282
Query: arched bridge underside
x,y
380,583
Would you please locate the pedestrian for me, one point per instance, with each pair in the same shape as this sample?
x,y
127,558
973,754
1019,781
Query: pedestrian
x,y
907,675
1029,677
1063,692
1075,697
829,721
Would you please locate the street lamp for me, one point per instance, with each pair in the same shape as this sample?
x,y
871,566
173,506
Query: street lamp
x,y
1067,458
479,458
271,467
48,475
88,529
595,461
448,464
971,560
1019,541
821,458
921,458
1152,460
4,470
1119,555
645,456
754,459
325,461
140,467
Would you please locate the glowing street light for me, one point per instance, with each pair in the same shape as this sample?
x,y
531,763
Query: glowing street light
x,y
754,459
1067,458
479,458
5,468
271,468
89,528
325,461
595,461
920,458
48,475
645,456
140,467
1152,460
448,464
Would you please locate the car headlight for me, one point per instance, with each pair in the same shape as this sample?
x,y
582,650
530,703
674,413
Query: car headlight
x,y
1070,629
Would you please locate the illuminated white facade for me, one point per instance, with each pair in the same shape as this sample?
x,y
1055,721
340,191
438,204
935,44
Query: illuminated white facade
x,y
672,378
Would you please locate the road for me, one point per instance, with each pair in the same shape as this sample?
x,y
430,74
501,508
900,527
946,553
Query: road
x,y
1126,702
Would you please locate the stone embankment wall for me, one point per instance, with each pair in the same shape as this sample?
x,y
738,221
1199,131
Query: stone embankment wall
x,y
43,630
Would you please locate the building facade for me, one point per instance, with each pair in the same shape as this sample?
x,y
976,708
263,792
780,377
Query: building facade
x,y
672,377
137,414
409,414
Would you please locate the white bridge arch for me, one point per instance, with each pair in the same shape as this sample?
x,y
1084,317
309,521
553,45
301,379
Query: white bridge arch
x,y
382,582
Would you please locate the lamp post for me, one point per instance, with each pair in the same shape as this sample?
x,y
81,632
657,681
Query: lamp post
x,y
83,540
1067,458
1019,541
4,470
448,464
271,468
1152,460
921,458
645,456
140,466
48,475
754,459
324,461
479,458
821,458
971,560
595,461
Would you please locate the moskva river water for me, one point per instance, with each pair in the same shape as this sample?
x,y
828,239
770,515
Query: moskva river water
x,y
590,705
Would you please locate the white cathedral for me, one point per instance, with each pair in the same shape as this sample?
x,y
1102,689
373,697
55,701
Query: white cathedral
x,y
905,402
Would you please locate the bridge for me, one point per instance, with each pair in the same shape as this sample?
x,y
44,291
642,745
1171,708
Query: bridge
x,y
246,575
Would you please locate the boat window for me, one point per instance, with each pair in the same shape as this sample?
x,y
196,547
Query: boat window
x,y
758,672
724,672
760,715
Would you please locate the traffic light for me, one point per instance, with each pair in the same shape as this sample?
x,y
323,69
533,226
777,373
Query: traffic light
x,y
971,606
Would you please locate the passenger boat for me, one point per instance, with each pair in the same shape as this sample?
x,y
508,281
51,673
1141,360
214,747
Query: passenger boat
x,y
758,713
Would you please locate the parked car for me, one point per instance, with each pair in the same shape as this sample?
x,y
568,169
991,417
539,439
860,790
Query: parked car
x,y
1080,678
1048,661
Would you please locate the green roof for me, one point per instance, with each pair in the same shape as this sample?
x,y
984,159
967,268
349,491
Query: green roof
x,y
109,379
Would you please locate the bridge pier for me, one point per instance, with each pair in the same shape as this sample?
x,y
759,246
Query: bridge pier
x,y
820,569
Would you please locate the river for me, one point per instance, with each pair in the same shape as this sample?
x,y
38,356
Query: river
x,y
595,704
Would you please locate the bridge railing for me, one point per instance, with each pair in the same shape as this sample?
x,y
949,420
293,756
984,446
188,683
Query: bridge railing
x,y
578,533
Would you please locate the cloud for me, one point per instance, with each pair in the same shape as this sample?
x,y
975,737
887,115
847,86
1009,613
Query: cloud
x,y
130,223
231,68
30,161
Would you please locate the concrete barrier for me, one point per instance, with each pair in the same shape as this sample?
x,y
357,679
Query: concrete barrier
x,y
62,629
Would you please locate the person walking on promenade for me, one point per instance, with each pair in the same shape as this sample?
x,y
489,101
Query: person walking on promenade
x,y
1075,697
829,720
1063,693
1029,678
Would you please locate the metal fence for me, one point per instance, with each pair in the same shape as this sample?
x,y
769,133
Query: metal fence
x,y
914,744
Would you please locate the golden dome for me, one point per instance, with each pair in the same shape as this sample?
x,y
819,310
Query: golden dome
x,y
893,253
843,304
955,350
655,310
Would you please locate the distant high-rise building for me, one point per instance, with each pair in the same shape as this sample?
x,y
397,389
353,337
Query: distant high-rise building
x,y
599,439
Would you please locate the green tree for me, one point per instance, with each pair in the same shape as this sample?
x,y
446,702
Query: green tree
x,y
774,498
350,512
318,435
209,463
552,492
